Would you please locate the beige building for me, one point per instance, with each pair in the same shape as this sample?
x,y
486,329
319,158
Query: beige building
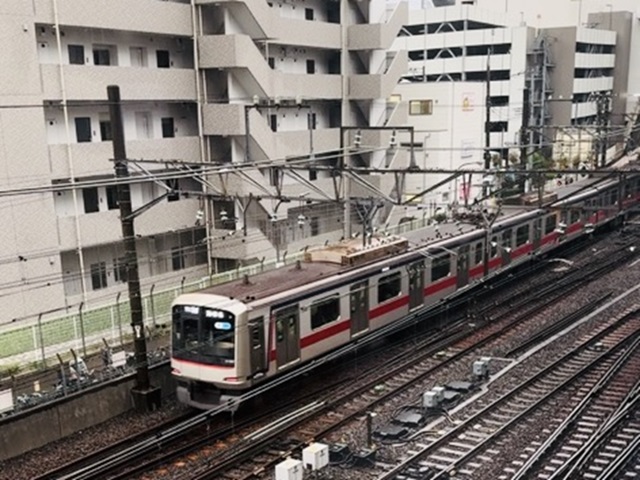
x,y
253,74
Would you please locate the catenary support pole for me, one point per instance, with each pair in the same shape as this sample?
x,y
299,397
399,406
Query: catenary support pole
x,y
144,395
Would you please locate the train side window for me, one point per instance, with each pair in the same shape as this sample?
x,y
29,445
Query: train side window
x,y
494,246
440,267
506,238
522,235
575,216
550,224
389,287
325,310
478,256
256,332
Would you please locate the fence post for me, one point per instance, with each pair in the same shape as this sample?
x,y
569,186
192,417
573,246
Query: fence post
x,y
153,308
84,341
63,376
44,358
119,318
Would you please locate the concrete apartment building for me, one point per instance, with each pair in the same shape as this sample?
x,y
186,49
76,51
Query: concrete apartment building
x,y
200,81
553,75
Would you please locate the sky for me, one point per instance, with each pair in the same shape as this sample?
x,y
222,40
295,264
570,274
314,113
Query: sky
x,y
550,13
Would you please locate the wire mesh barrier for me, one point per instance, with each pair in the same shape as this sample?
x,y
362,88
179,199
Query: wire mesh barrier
x,y
20,394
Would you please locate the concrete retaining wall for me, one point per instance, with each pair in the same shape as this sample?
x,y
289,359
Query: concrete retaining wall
x,y
76,412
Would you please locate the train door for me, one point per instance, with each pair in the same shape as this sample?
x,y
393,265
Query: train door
x,y
359,308
287,335
462,270
257,346
537,233
416,284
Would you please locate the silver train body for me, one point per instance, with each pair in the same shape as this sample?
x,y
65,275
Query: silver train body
x,y
232,337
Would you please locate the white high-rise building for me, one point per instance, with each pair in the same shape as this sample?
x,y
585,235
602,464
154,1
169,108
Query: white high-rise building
x,y
200,81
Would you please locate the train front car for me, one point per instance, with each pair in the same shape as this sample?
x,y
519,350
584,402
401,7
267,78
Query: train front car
x,y
204,350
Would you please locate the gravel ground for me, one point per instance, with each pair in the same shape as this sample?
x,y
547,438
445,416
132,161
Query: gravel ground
x,y
81,443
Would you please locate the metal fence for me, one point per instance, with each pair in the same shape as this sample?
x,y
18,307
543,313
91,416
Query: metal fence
x,y
33,345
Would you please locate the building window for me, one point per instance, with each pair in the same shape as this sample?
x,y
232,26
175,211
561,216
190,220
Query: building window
x,y
308,13
177,258
272,62
90,197
101,56
98,275
313,174
83,129
312,121
325,311
311,66
273,122
421,107
112,198
440,267
76,54
168,130
120,269
389,287
138,56
163,59
105,131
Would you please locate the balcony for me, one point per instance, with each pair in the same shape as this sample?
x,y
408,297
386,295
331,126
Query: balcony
x,y
586,85
370,86
102,228
378,36
239,54
93,158
148,16
262,21
89,83
588,60
586,109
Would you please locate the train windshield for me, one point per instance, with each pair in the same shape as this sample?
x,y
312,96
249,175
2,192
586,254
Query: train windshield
x,y
205,335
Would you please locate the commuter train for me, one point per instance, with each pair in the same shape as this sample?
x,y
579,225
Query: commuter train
x,y
231,337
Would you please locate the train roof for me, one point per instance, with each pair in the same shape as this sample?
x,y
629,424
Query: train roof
x,y
327,262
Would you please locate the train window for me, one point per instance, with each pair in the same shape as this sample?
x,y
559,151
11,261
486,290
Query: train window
x,y
550,224
389,287
494,246
575,216
256,332
506,238
440,267
522,235
325,311
479,255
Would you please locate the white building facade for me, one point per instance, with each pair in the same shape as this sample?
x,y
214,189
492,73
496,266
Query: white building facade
x,y
463,43
200,81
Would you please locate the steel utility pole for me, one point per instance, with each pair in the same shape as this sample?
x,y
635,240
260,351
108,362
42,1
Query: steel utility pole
x,y
145,396
487,124
524,137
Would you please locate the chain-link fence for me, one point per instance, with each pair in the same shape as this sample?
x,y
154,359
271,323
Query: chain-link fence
x,y
35,342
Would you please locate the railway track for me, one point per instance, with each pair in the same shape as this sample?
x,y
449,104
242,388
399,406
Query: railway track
x,y
467,448
127,463
255,454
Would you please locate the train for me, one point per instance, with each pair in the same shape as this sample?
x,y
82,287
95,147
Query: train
x,y
230,338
